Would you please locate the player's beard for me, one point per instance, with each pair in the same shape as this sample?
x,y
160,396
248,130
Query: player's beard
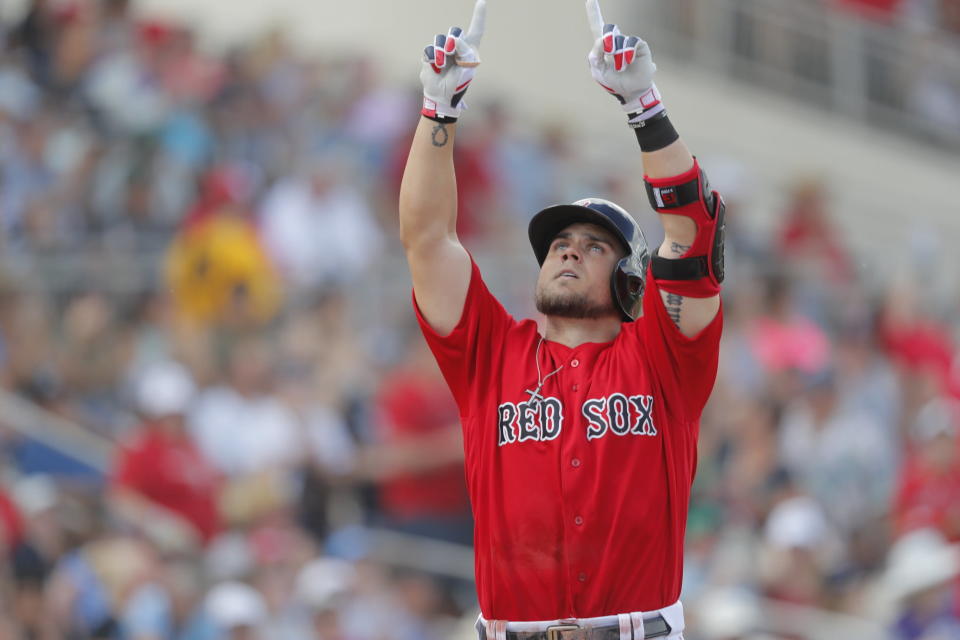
x,y
572,305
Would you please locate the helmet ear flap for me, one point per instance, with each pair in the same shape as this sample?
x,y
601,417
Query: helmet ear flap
x,y
627,285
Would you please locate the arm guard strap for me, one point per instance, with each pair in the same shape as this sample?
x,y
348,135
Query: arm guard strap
x,y
699,272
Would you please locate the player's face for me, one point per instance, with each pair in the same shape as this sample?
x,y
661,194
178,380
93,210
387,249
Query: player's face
x,y
574,280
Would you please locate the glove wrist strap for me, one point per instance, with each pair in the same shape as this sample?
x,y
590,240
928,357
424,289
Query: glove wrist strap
x,y
643,107
436,112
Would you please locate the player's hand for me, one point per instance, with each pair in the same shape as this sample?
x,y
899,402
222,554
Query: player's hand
x,y
623,65
448,66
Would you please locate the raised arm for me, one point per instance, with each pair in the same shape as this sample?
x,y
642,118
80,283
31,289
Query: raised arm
x,y
439,265
691,214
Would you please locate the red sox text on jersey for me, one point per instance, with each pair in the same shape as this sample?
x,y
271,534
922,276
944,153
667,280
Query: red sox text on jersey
x,y
540,419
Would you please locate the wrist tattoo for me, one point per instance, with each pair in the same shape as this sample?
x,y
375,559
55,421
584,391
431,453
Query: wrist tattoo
x,y
673,307
440,135
679,249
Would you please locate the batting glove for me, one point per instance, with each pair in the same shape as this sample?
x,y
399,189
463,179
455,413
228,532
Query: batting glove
x,y
448,67
623,65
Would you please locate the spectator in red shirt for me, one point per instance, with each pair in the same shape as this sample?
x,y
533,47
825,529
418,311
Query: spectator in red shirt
x,y
419,459
917,344
11,524
807,237
928,495
161,480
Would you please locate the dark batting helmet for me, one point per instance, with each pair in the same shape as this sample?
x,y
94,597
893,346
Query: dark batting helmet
x,y
628,279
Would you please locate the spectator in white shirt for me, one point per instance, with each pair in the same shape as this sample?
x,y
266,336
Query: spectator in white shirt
x,y
318,227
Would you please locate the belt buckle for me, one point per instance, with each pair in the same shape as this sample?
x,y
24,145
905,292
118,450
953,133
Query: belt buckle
x,y
553,632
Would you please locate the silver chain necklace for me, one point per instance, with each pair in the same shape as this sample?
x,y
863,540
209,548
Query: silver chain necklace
x,y
535,397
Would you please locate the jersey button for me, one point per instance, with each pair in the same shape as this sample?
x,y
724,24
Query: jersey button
x,y
578,521
574,363
575,387
582,577
575,462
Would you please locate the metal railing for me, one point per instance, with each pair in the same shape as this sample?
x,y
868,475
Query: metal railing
x,y
22,416
897,75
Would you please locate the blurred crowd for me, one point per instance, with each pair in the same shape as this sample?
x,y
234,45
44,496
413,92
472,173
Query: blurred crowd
x,y
198,267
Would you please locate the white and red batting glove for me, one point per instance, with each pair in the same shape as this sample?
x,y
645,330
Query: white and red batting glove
x,y
623,65
448,67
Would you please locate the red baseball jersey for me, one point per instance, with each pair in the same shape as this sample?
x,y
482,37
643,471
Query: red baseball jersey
x,y
170,470
580,499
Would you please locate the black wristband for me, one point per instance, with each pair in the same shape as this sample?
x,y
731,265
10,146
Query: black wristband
x,y
656,133
439,118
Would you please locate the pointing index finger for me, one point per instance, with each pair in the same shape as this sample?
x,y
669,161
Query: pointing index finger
x,y
477,24
595,18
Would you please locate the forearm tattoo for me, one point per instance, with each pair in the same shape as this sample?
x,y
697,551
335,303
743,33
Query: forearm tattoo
x,y
673,307
440,136
679,249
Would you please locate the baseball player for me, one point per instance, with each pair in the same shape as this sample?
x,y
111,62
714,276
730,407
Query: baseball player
x,y
581,442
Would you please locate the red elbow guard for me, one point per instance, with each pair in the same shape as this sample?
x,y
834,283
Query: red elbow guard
x,y
698,272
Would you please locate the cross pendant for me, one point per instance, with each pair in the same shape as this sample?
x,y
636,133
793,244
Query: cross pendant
x,y
535,397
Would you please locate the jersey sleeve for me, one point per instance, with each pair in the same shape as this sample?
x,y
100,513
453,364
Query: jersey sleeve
x,y
469,353
686,367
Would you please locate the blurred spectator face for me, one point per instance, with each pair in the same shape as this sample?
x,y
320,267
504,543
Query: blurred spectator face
x,y
420,595
40,223
950,15
810,197
227,184
87,317
822,396
798,549
28,606
251,365
115,8
326,623
38,499
853,352
170,423
935,431
275,581
777,296
323,176
243,633
556,140
183,580
940,452
323,586
33,139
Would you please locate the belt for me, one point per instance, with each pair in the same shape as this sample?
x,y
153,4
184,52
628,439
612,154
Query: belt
x,y
653,627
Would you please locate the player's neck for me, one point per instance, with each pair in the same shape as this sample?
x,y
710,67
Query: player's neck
x,y
572,332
